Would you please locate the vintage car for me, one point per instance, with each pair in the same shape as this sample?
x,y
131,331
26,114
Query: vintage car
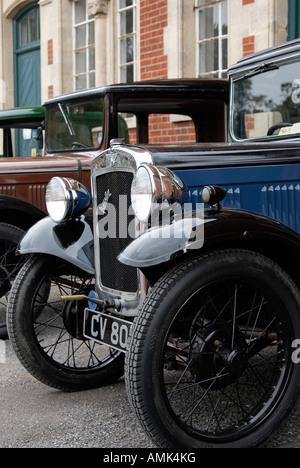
x,y
189,272
77,127
20,134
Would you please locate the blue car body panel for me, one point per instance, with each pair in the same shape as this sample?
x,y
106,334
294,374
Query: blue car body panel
x,y
272,191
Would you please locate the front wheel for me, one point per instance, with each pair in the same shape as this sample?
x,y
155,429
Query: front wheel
x,y
47,334
209,361
10,264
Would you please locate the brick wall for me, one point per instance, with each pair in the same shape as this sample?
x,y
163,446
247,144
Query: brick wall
x,y
154,66
50,51
248,45
248,42
153,20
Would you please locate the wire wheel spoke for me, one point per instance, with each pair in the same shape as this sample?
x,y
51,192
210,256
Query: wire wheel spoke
x,y
58,326
10,264
219,374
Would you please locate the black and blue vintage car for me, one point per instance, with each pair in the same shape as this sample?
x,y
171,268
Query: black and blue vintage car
x,y
189,271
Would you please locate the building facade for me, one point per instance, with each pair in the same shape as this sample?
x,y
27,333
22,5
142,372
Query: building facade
x,y
49,47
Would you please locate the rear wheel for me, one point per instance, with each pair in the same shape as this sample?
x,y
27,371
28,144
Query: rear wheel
x,y
10,264
209,361
47,334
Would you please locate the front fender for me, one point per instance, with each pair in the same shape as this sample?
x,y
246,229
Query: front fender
x,y
217,228
162,243
72,241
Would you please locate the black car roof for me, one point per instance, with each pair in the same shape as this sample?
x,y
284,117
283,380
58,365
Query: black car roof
x,y
287,50
184,86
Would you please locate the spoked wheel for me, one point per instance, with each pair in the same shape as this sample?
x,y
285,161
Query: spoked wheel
x,y
209,361
47,334
10,264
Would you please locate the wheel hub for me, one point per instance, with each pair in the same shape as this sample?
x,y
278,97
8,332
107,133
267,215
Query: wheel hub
x,y
214,359
73,319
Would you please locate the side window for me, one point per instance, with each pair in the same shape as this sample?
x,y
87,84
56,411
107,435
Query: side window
x,y
171,128
159,128
29,143
5,143
267,104
27,136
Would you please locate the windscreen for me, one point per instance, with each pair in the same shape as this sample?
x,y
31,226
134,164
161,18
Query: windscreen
x,y
266,102
74,126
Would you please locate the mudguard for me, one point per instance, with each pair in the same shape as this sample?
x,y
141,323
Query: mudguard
x,y
72,241
217,228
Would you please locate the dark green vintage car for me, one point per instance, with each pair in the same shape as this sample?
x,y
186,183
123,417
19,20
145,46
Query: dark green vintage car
x,y
20,135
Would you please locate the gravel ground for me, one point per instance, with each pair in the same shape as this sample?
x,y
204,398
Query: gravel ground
x,y
36,416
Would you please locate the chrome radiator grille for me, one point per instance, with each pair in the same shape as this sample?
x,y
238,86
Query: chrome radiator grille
x,y
113,274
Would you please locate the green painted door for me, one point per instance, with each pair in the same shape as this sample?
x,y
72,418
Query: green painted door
x,y
293,19
27,64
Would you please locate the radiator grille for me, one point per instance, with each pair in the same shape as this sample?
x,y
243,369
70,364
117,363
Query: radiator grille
x,y
113,274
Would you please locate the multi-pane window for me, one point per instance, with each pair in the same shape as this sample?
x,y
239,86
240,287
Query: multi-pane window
x,y
212,38
29,27
84,46
127,40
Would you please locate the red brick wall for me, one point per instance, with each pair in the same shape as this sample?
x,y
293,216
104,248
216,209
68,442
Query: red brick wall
x,y
164,131
248,42
154,66
50,51
153,20
248,45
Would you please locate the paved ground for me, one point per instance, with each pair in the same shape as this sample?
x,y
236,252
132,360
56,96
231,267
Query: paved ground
x,y
33,415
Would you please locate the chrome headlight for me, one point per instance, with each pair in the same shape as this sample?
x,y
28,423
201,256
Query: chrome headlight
x,y
66,198
153,186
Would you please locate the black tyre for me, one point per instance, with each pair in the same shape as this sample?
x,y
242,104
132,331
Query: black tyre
x,y
210,357
10,264
47,334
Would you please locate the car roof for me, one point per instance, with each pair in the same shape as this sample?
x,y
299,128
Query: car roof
x,y
287,50
20,116
178,86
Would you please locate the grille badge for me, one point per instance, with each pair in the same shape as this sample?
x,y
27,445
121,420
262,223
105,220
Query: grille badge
x,y
103,205
113,159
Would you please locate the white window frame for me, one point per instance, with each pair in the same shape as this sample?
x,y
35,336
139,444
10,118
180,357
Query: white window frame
x,y
133,34
87,71
200,6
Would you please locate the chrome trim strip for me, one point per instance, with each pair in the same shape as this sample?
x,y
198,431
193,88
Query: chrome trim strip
x,y
30,171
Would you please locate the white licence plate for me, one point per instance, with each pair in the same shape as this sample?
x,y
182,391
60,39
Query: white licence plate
x,y
106,329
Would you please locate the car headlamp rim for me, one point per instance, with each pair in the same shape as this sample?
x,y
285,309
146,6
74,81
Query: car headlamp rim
x,y
142,193
163,189
156,182
57,199
75,199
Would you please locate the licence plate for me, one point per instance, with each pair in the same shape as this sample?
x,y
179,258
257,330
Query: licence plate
x,y
106,329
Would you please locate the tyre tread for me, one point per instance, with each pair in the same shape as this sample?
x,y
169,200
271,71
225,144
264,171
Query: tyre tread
x,y
157,295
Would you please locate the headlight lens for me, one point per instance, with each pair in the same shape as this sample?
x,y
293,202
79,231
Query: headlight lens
x,y
154,186
142,194
66,198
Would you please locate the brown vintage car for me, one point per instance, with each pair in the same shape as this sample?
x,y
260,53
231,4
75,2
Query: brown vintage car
x,y
77,127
